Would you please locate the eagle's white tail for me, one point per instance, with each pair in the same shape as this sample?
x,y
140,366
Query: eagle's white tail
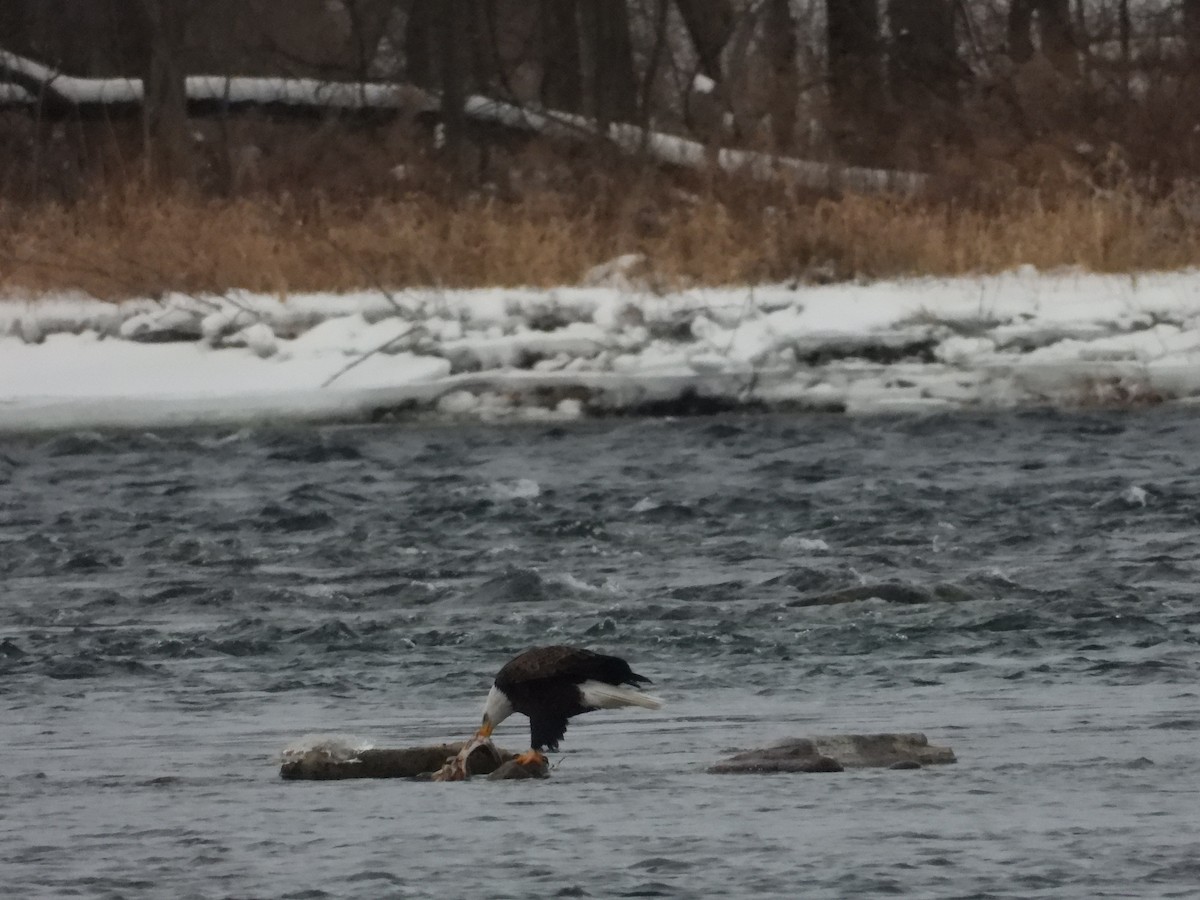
x,y
599,695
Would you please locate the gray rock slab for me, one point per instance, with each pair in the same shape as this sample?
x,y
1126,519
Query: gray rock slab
x,y
836,752
795,755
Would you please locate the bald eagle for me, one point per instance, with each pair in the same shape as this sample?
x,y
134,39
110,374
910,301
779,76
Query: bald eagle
x,y
552,684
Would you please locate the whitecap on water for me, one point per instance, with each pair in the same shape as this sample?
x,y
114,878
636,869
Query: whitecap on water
x,y
520,489
799,542
1135,495
579,586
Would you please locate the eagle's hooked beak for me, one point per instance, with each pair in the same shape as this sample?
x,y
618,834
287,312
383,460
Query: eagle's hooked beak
x,y
485,730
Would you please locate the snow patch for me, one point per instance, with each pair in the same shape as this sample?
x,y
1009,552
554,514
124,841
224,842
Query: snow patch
x,y
912,345
336,747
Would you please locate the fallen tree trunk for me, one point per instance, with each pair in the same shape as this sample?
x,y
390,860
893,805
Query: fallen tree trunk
x,y
60,94
334,761
319,764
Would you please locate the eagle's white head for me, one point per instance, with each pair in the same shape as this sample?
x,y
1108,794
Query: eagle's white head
x,y
496,709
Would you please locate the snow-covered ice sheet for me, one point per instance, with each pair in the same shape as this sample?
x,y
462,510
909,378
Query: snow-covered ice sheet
x,y
913,344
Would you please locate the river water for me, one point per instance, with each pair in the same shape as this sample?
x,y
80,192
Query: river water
x,y
177,608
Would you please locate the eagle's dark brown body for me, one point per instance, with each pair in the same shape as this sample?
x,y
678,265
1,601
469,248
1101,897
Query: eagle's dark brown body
x,y
544,684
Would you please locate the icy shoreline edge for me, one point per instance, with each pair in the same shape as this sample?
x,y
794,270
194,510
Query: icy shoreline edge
x,y
1017,339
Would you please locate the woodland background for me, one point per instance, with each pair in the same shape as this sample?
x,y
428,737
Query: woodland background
x,y
1054,132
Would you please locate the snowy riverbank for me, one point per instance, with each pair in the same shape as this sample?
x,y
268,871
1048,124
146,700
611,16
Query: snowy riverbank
x,y
1019,338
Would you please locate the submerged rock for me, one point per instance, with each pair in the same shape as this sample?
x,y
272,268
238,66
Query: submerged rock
x,y
857,751
836,752
889,592
796,755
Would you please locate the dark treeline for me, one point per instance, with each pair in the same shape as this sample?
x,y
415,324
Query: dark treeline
x,y
901,83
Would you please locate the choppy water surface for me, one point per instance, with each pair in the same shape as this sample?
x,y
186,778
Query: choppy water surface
x,y
177,608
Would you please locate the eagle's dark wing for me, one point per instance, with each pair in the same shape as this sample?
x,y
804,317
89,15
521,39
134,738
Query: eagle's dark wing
x,y
546,662
572,664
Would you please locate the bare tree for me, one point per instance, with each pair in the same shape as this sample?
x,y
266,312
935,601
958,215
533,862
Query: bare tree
x,y
709,24
923,60
98,41
855,63
368,21
419,43
14,26
452,50
779,47
1191,28
611,82
162,25
562,73
1054,32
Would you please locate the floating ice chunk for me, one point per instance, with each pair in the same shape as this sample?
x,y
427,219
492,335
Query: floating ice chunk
x,y
579,339
172,323
1173,376
1139,346
706,329
570,408
29,329
553,364
446,329
617,316
963,351
821,395
710,363
480,308
259,338
457,403
660,356
223,321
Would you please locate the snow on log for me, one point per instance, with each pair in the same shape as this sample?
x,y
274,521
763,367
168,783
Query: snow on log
x,y
674,150
837,752
33,82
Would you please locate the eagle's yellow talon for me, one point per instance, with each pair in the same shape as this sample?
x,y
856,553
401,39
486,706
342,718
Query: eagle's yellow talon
x,y
531,758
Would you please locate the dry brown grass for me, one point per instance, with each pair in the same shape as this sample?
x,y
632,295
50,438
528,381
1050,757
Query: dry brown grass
x,y
125,240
